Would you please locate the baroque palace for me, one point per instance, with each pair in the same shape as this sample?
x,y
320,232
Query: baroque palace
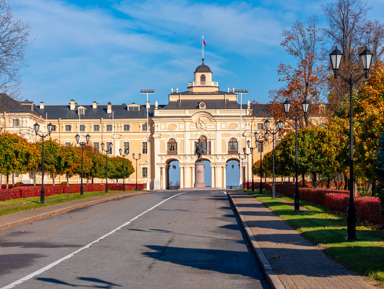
x,y
160,133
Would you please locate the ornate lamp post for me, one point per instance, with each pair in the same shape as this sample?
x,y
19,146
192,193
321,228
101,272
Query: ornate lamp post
x,y
136,159
251,150
148,106
366,58
261,145
241,158
246,156
123,155
273,133
107,150
296,118
36,127
82,144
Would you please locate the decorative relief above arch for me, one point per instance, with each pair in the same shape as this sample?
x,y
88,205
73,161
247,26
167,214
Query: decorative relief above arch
x,y
172,126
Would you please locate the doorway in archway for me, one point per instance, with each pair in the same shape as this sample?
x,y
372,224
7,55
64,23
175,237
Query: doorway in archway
x,y
232,174
173,175
207,173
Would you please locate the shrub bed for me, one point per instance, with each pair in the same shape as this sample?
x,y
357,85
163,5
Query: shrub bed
x,y
367,208
49,190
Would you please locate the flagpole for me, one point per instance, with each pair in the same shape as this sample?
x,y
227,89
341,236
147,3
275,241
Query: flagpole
x,y
202,45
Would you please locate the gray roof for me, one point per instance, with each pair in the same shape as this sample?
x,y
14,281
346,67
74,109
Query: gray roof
x,y
8,104
64,112
203,68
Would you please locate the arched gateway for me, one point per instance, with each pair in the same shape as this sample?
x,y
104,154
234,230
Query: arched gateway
x,y
202,113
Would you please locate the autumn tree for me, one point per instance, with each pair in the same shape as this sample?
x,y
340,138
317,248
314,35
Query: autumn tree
x,y
305,81
13,40
349,29
369,120
53,158
16,155
380,171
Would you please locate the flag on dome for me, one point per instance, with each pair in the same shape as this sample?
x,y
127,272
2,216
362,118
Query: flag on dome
x,y
205,43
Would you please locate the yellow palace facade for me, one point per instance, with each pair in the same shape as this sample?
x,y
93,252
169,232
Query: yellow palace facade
x,y
162,134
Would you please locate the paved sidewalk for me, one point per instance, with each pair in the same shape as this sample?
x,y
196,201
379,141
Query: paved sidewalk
x,y
289,260
18,218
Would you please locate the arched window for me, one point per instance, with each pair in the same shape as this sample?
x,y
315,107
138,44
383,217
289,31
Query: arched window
x,y
172,146
202,79
233,146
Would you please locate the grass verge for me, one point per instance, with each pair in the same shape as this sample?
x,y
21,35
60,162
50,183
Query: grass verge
x,y
328,229
17,205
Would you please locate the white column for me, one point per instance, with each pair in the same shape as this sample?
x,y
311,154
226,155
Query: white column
x,y
213,183
181,176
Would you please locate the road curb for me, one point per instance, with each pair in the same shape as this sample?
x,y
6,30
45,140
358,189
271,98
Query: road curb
x,y
270,275
54,211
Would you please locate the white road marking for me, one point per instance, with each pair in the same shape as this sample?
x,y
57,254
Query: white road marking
x,y
38,272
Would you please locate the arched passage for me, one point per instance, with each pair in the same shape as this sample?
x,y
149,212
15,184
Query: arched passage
x,y
173,175
232,174
207,173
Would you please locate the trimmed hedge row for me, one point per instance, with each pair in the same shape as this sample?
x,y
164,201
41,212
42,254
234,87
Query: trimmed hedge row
x,y
367,208
49,190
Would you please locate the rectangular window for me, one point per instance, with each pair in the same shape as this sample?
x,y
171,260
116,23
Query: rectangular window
x,y
67,144
68,127
109,147
133,108
126,127
144,127
145,149
260,125
126,148
109,127
96,127
260,147
16,122
145,172
53,127
96,147
82,127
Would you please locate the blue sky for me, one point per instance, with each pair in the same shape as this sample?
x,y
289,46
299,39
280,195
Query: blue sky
x,y
108,50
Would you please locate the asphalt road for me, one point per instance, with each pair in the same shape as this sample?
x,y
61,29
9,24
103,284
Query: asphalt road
x,y
167,239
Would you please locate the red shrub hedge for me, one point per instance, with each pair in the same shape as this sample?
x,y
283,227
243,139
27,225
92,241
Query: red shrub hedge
x,y
367,208
49,190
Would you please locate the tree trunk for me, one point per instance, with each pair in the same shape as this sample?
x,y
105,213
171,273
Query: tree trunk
x,y
303,178
53,179
1,181
346,182
92,180
67,180
314,180
7,181
13,179
34,178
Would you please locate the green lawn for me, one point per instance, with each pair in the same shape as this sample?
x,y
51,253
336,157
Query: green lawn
x,y
16,205
328,229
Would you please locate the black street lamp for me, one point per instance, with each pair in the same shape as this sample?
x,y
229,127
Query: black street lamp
x,y
296,118
36,127
133,156
107,151
124,169
82,144
246,156
251,149
366,58
273,133
261,145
